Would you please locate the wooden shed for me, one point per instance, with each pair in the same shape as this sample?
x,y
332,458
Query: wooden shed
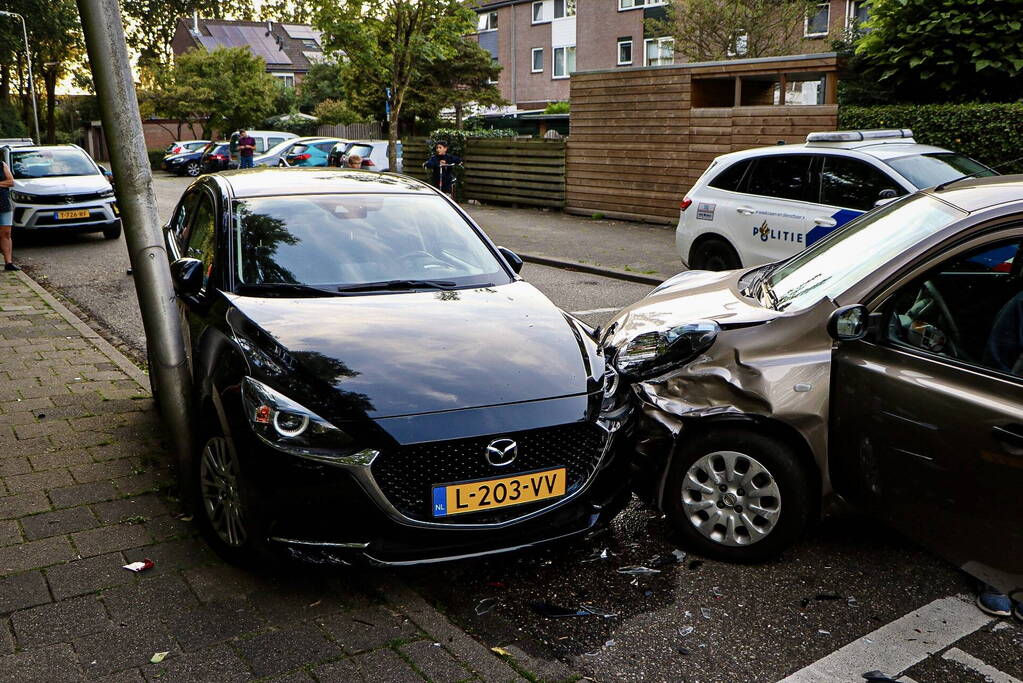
x,y
640,137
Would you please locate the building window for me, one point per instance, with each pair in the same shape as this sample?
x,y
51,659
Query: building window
x,y
564,61
493,81
856,14
740,45
818,20
287,79
487,22
537,60
538,17
564,8
624,51
658,51
633,4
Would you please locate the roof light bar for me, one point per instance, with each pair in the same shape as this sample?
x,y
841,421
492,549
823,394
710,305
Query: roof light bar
x,y
858,135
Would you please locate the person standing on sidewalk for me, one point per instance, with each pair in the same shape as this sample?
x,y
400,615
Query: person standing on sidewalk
x,y
246,148
440,165
6,217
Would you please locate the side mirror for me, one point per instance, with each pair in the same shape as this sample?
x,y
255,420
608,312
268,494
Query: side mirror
x,y
849,323
885,196
513,259
187,275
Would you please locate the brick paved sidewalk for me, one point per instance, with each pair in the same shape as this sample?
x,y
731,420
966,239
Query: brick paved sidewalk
x,y
85,488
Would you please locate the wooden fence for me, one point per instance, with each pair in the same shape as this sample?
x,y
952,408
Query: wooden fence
x,y
352,131
501,170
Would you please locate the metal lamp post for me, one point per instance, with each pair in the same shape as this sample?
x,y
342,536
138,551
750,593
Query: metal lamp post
x,y
31,82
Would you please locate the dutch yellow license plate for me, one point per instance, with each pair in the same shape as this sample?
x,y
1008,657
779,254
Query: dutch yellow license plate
x,y
474,496
76,213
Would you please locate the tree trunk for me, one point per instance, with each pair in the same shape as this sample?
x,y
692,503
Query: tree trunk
x,y
458,116
50,78
5,86
392,139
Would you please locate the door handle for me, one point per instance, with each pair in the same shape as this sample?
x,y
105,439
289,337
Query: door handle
x,y
825,221
1010,435
745,210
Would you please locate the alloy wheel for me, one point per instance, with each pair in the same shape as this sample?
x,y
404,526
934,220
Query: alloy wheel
x,y
731,498
192,169
218,478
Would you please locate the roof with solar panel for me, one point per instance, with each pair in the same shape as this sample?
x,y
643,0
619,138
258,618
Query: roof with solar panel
x,y
291,48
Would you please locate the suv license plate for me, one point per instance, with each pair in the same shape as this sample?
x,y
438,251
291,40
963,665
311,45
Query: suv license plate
x,y
473,496
76,213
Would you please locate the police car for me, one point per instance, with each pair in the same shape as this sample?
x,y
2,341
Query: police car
x,y
766,204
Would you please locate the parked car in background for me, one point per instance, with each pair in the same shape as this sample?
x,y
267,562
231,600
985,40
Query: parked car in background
x,y
373,153
60,187
884,364
764,204
325,309
216,156
275,155
182,146
265,139
312,153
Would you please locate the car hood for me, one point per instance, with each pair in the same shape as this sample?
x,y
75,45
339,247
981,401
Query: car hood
x,y
74,184
690,296
420,352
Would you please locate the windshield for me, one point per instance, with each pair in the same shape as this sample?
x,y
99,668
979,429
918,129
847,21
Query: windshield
x,y
51,163
831,266
349,240
928,170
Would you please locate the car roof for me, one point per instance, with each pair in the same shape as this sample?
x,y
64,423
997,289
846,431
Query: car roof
x,y
265,181
29,148
974,194
879,149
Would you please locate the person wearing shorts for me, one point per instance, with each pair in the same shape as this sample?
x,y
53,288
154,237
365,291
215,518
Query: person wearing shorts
x,y
6,217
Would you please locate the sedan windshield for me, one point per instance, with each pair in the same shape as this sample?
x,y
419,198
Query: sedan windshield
x,y
343,241
51,163
834,264
928,170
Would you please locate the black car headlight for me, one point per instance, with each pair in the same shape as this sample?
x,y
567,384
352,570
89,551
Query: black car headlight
x,y
650,353
106,194
25,197
290,427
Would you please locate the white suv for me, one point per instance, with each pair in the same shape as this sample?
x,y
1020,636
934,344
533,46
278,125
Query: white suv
x,y
766,204
60,187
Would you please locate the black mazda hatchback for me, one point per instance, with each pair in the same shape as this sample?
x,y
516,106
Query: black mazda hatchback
x,y
374,381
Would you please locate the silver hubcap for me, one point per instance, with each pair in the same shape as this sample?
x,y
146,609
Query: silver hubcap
x,y
731,498
218,474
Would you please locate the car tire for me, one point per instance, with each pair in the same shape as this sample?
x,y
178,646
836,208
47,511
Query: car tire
x,y
718,523
281,163
227,517
193,169
112,232
714,253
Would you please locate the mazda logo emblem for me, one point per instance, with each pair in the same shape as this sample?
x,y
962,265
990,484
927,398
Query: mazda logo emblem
x,y
502,452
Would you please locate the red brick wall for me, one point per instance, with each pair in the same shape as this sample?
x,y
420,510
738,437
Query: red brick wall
x,y
597,30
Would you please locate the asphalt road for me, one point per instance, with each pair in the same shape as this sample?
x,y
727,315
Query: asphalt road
x,y
699,620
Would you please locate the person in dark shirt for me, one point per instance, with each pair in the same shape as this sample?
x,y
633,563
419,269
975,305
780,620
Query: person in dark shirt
x,y
246,148
440,166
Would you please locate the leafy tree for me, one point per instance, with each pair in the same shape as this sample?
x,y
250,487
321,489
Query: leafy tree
x,y
557,108
333,112
929,51
388,44
467,76
321,82
708,30
150,24
288,11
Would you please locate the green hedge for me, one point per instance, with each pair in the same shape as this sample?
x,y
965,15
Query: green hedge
x,y
990,133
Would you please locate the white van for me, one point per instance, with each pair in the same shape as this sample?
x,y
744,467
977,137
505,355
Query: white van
x,y
265,139
763,205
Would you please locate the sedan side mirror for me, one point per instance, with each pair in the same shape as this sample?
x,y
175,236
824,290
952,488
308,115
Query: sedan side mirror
x,y
849,323
513,259
885,196
187,274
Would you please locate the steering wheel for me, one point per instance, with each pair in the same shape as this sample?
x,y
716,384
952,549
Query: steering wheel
x,y
954,338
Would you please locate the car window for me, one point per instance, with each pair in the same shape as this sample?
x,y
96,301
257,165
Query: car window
x,y
280,147
260,145
782,176
731,178
298,149
834,264
969,307
354,239
202,237
183,215
928,170
853,184
273,142
51,163
324,146
363,151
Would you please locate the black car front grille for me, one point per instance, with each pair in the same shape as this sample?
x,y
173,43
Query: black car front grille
x,y
63,199
407,475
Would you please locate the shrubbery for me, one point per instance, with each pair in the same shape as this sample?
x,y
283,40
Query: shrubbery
x,y
456,138
990,133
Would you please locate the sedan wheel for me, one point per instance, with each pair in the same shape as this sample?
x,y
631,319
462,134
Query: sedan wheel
x,y
221,492
193,169
737,495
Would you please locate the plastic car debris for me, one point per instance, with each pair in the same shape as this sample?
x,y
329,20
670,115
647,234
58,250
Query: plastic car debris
x,y
705,612
638,569
140,566
159,657
686,630
716,593
500,651
487,605
674,557
877,676
598,555
598,612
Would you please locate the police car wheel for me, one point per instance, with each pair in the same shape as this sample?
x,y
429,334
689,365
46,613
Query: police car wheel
x,y
714,254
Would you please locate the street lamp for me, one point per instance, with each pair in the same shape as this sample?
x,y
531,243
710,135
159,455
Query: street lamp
x,y
28,58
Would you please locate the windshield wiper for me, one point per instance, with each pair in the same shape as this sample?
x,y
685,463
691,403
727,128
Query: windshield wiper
x,y
398,284
290,288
